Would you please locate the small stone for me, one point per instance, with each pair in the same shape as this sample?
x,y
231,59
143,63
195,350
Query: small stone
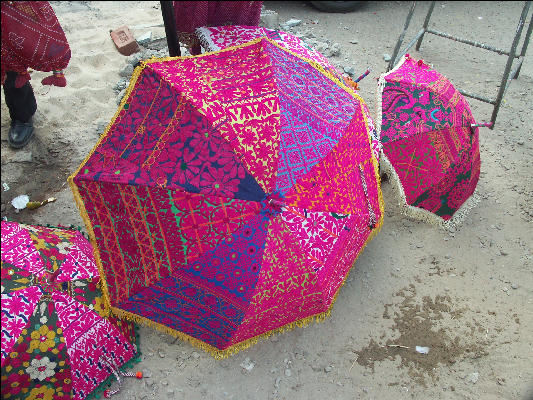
x,y
145,38
195,355
164,383
293,22
147,373
149,382
126,71
335,50
503,252
119,99
247,364
288,372
353,41
419,246
22,157
134,59
520,142
278,380
386,57
501,381
328,368
269,19
514,286
473,377
100,127
161,354
349,70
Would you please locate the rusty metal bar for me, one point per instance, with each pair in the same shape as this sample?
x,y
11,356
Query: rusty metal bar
x,y
426,23
512,75
510,59
402,35
470,42
411,43
526,42
477,97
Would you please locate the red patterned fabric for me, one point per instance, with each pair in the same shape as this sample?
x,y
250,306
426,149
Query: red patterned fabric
x,y
31,38
189,15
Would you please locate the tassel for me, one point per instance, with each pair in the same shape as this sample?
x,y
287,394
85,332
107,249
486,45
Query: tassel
x,y
118,373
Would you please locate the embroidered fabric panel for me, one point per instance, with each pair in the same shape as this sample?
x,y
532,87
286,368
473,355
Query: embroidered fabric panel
x,y
88,336
232,267
18,249
161,140
335,185
79,263
286,289
315,231
451,191
187,307
17,308
151,232
239,85
423,160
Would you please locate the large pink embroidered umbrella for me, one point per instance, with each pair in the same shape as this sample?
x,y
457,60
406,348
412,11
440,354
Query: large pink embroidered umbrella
x,y
430,142
230,195
215,38
55,342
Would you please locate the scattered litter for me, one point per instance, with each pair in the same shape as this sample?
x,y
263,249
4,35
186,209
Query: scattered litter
x,y
145,37
32,205
20,202
5,186
397,345
293,22
422,350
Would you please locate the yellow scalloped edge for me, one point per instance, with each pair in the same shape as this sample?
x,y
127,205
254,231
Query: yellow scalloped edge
x,y
216,353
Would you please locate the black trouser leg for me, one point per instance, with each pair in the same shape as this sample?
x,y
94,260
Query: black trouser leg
x,y
20,101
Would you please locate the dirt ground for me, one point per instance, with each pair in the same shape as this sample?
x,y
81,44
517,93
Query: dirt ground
x,y
467,295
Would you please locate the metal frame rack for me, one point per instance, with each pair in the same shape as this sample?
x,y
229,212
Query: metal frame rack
x,y
508,75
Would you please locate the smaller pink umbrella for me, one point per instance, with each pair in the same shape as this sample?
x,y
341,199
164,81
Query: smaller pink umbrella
x,y
430,142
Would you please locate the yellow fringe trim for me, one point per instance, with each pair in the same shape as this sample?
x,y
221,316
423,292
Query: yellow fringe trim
x,y
314,64
216,353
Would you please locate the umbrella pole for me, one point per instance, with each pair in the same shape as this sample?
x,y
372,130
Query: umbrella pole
x,y
362,76
167,10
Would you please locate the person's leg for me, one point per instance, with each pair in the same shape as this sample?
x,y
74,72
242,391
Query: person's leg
x,y
22,105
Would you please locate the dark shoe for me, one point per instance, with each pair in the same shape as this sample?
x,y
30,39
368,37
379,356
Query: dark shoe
x,y
20,133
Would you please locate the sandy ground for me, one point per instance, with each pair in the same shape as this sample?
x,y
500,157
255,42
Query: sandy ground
x,y
467,295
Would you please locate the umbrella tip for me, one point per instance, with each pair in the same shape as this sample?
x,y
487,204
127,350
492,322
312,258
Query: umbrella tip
x,y
485,124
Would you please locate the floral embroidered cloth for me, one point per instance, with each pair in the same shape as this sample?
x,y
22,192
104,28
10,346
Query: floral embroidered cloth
x,y
429,146
53,332
231,194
